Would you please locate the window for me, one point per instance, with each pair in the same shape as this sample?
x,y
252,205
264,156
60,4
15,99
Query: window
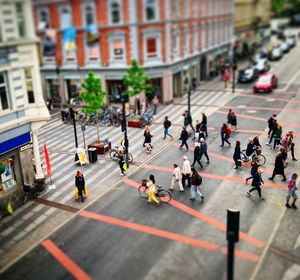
x,y
186,8
150,10
4,105
115,12
93,53
89,13
186,41
117,50
195,8
195,40
43,18
175,8
65,16
175,44
29,84
21,19
151,48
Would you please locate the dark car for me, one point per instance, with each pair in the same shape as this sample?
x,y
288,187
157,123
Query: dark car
x,y
266,83
248,75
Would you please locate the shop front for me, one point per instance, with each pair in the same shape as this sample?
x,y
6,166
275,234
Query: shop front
x,y
52,90
72,89
16,168
114,91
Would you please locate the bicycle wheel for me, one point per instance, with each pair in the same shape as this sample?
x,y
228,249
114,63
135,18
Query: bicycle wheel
x,y
130,158
116,123
244,158
262,159
108,122
113,154
164,196
150,120
143,191
40,187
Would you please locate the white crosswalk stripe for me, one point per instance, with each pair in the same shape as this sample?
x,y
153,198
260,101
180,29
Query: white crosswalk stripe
x,y
60,138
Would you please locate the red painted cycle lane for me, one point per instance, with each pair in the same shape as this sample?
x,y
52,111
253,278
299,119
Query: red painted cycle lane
x,y
65,261
167,235
201,216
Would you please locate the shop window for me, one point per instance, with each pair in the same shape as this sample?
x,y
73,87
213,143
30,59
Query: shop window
x,y
29,85
151,47
65,16
4,103
175,8
43,18
52,87
21,19
150,10
115,12
8,178
89,13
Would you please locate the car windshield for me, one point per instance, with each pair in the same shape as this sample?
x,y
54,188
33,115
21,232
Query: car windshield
x,y
265,79
248,71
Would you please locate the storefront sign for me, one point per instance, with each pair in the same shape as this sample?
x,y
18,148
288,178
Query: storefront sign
x,y
81,156
15,143
24,147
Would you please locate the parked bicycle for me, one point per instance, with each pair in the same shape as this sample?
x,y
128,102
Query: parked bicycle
x,y
146,119
32,191
162,194
114,154
256,152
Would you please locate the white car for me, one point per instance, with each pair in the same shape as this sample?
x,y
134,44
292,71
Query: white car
x,y
291,42
284,47
276,54
262,65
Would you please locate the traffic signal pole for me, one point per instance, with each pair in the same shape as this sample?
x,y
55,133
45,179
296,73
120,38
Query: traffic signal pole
x,y
233,79
124,129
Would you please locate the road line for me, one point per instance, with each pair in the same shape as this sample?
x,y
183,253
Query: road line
x,y
197,214
167,235
214,176
65,261
291,80
267,247
268,97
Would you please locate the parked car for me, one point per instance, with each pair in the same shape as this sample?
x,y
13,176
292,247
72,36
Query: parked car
x,y
284,47
262,65
248,75
276,54
265,83
291,41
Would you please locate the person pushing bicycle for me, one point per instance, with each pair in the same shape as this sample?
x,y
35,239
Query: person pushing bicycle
x,y
152,190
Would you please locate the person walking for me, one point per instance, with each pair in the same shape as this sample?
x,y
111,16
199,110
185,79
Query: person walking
x,y
197,155
184,136
292,188
234,122
176,179
203,149
204,124
271,124
147,141
275,125
277,137
137,106
79,184
237,155
152,190
167,124
186,172
291,145
229,117
155,104
121,161
225,134
254,167
279,166
188,121
256,183
196,181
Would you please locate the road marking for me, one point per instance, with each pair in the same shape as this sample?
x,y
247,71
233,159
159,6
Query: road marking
x,y
167,235
251,111
292,80
270,100
65,261
253,241
268,97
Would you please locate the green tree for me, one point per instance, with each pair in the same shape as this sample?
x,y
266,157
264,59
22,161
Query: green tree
x,y
136,80
93,96
278,6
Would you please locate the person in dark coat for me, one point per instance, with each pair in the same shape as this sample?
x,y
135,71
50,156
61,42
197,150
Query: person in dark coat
x,y
254,168
233,120
203,149
224,135
147,141
279,166
121,161
250,147
271,123
204,124
188,121
184,136
256,183
237,154
197,155
79,184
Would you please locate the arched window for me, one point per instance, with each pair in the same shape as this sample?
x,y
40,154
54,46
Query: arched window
x,y
150,10
115,12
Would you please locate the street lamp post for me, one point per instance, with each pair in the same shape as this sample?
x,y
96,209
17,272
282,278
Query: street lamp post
x,y
72,115
83,133
234,68
189,100
124,129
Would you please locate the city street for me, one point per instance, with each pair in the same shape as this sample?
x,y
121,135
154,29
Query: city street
x,y
117,235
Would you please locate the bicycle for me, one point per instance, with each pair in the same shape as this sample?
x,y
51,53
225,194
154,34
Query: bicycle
x,y
162,194
146,119
32,191
114,154
257,153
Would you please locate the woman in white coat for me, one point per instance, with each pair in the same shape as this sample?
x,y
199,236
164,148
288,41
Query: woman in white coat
x,y
176,179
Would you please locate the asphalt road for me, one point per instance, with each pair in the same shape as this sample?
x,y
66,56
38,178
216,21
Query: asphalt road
x,y
120,236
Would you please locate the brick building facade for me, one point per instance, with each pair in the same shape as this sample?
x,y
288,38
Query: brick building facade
x,y
172,39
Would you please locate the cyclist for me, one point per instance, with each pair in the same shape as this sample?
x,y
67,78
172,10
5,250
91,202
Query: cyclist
x,y
152,190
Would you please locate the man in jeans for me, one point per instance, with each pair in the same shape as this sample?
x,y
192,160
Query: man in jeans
x,y
196,181
292,191
167,125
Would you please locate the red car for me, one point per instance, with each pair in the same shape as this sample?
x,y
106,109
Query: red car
x,y
265,83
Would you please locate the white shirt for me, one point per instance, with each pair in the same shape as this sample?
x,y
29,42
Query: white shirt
x,y
186,168
176,173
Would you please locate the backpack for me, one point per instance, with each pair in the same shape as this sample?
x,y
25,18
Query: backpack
x,y
198,180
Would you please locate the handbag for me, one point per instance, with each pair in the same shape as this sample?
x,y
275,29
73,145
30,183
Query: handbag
x,y
76,193
86,193
124,166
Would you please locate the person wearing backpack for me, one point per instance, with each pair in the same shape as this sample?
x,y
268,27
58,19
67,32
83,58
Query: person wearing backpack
x,y
292,191
196,181
167,124
225,134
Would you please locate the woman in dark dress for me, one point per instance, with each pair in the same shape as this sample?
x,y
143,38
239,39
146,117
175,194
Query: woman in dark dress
x,y
237,154
79,184
279,166
254,168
